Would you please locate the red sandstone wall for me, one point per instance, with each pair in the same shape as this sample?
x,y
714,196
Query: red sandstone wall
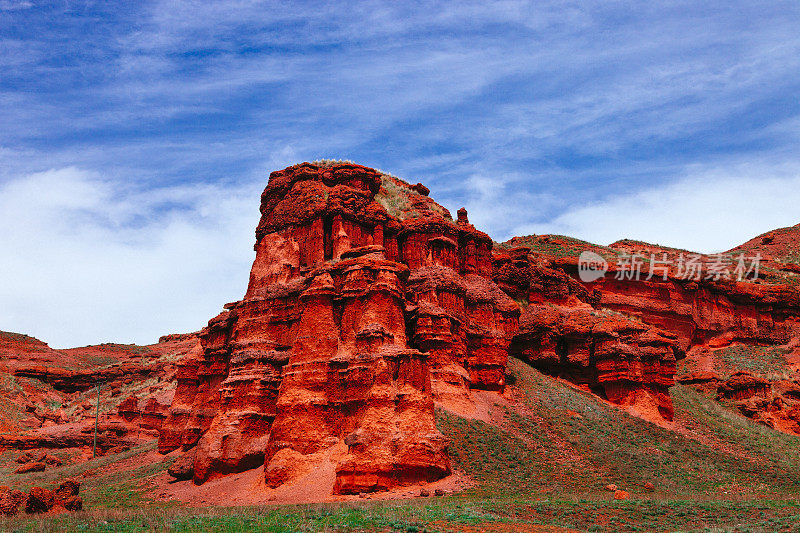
x,y
353,323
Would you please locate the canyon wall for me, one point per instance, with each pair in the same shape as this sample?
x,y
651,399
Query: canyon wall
x,y
354,321
368,305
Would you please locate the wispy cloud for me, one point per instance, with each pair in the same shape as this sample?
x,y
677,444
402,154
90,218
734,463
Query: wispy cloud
x,y
88,261
13,5
535,115
707,210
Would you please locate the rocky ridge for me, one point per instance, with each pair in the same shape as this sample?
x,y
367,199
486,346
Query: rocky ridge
x,y
367,305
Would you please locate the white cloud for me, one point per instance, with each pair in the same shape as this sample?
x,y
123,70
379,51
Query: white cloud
x,y
13,5
88,260
516,110
495,202
708,210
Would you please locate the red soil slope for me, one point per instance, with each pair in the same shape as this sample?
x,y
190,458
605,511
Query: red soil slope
x,y
49,397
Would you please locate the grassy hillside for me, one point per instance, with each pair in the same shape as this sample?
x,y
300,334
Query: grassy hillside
x,y
541,465
561,440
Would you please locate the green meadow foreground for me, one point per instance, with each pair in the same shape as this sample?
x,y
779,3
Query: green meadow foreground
x,y
540,463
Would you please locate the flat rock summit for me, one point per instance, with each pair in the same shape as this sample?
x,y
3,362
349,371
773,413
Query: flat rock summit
x,y
369,307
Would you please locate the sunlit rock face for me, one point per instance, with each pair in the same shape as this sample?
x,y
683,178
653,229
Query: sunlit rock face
x,y
563,332
366,304
620,336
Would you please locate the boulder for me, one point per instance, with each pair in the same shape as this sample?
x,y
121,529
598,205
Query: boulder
x,y
183,467
31,467
73,503
67,489
39,500
10,501
24,458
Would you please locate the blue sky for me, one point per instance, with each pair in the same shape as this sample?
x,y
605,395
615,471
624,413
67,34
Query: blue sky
x,y
137,136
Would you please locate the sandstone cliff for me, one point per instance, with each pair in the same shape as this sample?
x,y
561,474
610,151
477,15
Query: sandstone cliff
x,y
700,316
366,303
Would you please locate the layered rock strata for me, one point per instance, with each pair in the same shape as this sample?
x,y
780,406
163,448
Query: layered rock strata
x,y
563,332
354,321
367,305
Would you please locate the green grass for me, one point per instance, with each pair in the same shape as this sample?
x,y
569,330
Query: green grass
x,y
480,449
766,361
441,515
559,246
366,516
123,489
393,198
571,442
545,462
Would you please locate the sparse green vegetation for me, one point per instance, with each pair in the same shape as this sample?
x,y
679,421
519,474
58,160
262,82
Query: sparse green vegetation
x,y
543,460
570,442
766,361
326,163
546,463
393,198
442,515
95,489
17,337
559,246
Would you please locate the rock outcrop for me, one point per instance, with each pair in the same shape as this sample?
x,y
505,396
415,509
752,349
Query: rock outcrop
x,y
775,404
563,333
40,500
769,392
50,404
366,303
678,314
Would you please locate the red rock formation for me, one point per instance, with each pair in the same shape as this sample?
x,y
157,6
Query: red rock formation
x,y
151,415
698,311
560,332
31,467
624,360
53,414
47,406
366,302
701,313
67,490
743,386
40,500
11,500
774,403
706,314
